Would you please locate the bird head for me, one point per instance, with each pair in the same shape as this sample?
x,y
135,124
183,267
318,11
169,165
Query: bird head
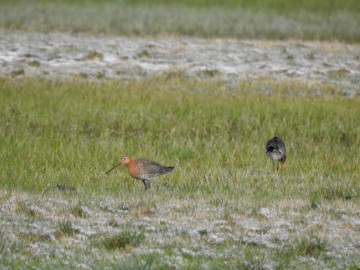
x,y
125,160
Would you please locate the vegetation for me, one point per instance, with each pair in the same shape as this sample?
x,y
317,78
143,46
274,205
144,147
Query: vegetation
x,y
274,19
70,133
58,139
223,206
65,229
123,240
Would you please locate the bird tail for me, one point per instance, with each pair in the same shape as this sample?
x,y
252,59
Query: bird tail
x,y
169,169
283,160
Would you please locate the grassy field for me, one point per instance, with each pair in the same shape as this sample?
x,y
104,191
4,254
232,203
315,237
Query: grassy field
x,y
223,207
71,132
275,19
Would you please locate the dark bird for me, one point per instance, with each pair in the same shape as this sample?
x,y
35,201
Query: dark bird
x,y
142,169
275,150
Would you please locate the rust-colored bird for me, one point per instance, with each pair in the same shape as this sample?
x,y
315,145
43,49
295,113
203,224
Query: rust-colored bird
x,y
142,169
275,150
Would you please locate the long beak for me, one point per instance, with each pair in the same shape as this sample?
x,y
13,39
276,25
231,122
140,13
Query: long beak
x,y
116,165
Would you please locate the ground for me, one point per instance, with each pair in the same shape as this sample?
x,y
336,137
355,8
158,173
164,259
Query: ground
x,y
178,233
57,56
73,103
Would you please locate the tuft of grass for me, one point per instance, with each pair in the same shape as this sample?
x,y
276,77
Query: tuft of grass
x,y
3,242
65,228
337,191
7,245
333,194
123,240
32,237
23,207
306,246
311,246
92,56
78,211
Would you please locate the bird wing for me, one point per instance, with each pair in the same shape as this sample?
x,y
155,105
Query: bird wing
x,y
276,144
150,168
271,146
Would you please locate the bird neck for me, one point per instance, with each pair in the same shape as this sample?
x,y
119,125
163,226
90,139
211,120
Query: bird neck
x,y
132,168
130,164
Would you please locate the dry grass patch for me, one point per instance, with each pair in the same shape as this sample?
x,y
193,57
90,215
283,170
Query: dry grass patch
x,y
65,229
126,240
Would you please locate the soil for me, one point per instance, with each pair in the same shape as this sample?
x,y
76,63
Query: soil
x,y
60,56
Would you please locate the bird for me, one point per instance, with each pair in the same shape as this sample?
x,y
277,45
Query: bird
x,y
142,169
275,150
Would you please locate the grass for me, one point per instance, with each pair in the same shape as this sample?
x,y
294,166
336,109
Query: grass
x,y
23,208
3,245
71,133
68,133
65,229
78,211
312,247
275,19
123,240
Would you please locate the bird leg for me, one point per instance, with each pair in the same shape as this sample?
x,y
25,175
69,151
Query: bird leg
x,y
273,165
282,165
146,184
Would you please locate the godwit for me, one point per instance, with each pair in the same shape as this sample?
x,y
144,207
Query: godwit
x,y
275,149
142,169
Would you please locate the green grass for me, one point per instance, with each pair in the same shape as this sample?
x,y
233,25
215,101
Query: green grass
x,y
65,229
123,240
61,211
70,133
275,19
78,211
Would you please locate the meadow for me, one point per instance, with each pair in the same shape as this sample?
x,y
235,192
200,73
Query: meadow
x,y
199,85
58,139
72,131
274,19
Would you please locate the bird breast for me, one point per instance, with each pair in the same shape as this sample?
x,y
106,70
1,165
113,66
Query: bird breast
x,y
133,169
275,155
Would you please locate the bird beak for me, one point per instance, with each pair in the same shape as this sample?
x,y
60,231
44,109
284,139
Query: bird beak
x,y
116,165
